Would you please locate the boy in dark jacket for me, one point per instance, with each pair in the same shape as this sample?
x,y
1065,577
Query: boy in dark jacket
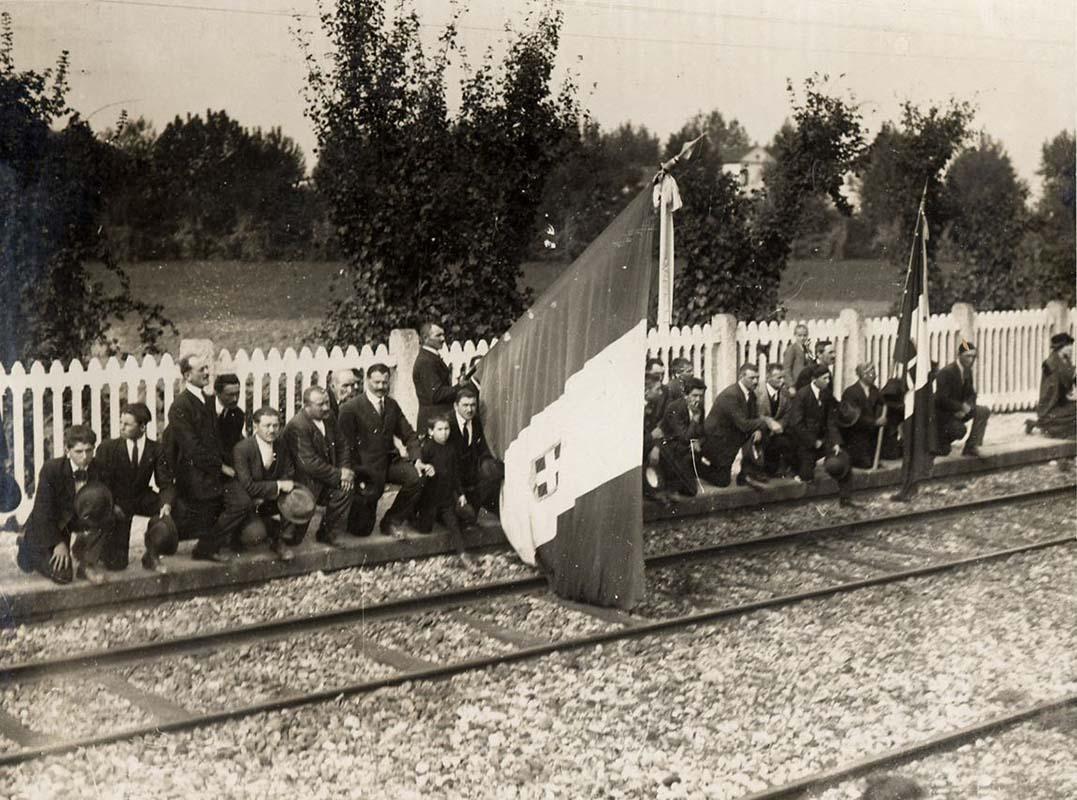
x,y
442,497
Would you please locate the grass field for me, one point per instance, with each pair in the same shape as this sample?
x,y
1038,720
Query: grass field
x,y
278,304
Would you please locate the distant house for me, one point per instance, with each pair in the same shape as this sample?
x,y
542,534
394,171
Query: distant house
x,y
748,169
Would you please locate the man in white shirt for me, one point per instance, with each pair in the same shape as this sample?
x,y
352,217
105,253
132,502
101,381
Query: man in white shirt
x,y
264,474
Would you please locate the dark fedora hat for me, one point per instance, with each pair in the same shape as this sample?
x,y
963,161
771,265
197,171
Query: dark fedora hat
x,y
1060,340
253,531
10,494
893,394
837,466
162,535
93,506
297,506
848,414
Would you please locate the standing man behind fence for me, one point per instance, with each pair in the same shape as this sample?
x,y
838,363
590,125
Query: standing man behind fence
x,y
230,419
432,377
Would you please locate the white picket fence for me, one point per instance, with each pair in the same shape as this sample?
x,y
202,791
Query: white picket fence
x,y
39,402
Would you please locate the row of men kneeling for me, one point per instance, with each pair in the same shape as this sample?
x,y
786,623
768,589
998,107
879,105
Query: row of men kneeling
x,y
230,492
780,430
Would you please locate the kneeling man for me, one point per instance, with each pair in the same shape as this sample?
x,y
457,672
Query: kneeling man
x,y
264,474
955,404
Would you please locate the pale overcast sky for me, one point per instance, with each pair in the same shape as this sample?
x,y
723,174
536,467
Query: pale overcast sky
x,y
654,62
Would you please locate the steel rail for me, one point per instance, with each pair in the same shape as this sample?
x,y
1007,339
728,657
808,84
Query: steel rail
x,y
261,631
442,671
911,752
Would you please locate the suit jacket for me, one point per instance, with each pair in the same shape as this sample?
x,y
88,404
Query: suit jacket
x,y
125,481
468,457
794,359
762,399
1055,384
445,487
54,503
733,417
810,420
367,438
860,438
230,429
433,386
315,458
678,425
951,390
257,481
197,460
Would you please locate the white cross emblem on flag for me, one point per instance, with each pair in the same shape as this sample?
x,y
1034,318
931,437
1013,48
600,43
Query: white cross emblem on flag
x,y
545,472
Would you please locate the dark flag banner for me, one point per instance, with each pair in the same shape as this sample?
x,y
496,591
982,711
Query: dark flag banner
x,y
561,397
912,358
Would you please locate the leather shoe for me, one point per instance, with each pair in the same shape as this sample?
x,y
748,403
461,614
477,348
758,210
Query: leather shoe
x,y
847,502
283,551
393,529
94,575
972,451
152,562
748,480
328,540
220,557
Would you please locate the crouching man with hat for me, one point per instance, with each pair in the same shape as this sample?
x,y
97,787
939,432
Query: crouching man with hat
x,y
70,501
813,422
264,487
1056,412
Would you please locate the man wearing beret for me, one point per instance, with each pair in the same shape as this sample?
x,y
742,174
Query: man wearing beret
x,y
1056,412
955,404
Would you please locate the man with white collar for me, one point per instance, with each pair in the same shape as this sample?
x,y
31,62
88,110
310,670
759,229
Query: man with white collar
x,y
774,396
127,464
812,425
480,473
955,404
733,420
200,472
432,377
264,473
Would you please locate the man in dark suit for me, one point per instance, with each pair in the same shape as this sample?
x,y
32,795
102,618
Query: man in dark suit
x,y
734,418
46,545
813,425
825,355
343,386
682,436
432,377
862,437
198,466
480,473
955,404
312,440
773,397
264,473
795,357
127,464
368,425
229,418
680,370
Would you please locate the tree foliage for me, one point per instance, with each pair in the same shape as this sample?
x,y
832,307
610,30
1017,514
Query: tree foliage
x,y
985,203
735,247
53,176
1051,249
434,211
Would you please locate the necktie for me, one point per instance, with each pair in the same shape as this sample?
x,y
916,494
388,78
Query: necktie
x,y
134,455
81,476
467,432
751,405
381,407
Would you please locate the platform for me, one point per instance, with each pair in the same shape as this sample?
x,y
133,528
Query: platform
x,y
26,596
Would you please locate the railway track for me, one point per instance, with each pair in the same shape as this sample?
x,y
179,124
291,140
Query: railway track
x,y
832,559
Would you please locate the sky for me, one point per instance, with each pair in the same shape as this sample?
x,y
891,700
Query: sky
x,y
651,62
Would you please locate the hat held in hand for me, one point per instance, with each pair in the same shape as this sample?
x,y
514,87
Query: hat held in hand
x,y
297,506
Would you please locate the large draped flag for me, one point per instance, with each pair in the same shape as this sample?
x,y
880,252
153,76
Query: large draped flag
x,y
912,358
562,398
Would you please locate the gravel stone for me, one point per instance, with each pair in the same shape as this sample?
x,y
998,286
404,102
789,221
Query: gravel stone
x,y
69,708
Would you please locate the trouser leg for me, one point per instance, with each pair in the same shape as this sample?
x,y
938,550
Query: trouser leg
x,y
340,512
116,551
216,524
448,518
403,473
980,415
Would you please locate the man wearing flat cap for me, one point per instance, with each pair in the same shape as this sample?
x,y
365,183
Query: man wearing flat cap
x,y
955,404
1056,412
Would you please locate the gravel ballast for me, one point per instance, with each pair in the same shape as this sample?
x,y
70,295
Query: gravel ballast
x,y
714,712
320,592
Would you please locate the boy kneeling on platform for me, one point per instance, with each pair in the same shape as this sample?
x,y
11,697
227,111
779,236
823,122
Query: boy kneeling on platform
x,y
442,498
70,501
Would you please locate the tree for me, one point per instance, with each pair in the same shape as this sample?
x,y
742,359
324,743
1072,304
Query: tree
x,y
1051,249
51,188
901,161
434,212
735,246
985,203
